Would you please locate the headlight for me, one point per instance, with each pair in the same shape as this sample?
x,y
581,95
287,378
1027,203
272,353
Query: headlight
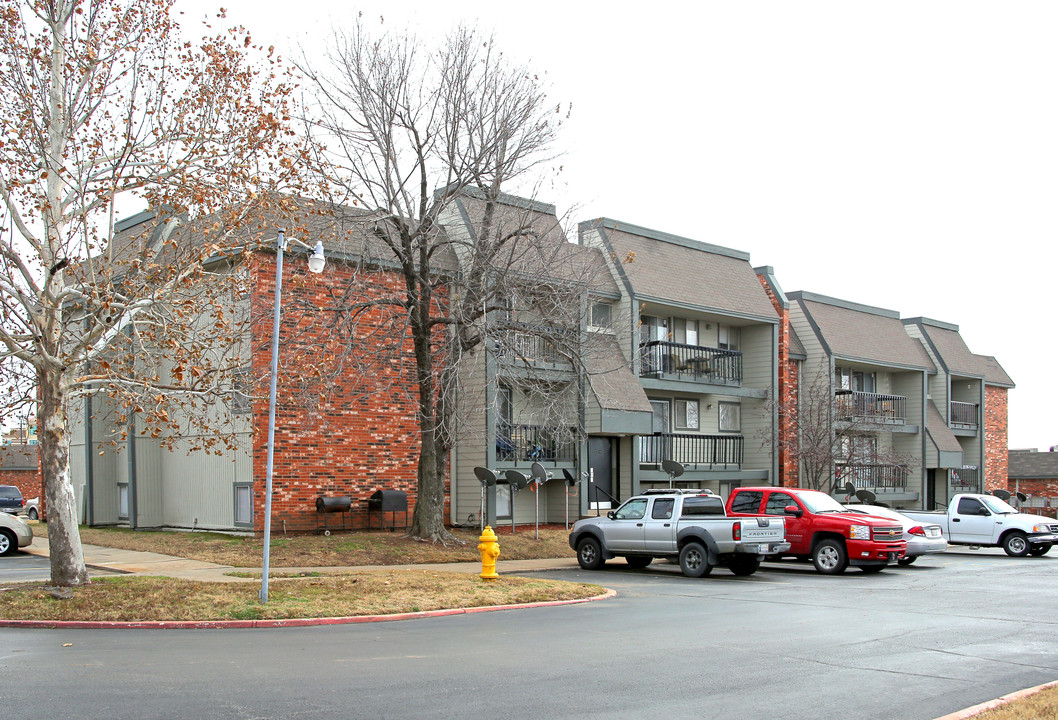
x,y
860,532
1041,528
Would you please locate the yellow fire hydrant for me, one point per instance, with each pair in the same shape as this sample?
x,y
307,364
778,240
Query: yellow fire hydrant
x,y
489,547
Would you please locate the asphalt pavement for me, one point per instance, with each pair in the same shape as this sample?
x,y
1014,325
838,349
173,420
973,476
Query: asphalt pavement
x,y
916,643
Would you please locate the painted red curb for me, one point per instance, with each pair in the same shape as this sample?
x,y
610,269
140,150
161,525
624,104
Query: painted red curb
x,y
998,702
289,622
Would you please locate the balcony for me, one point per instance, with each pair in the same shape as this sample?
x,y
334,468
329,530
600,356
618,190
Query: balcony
x,y
963,416
518,342
870,407
690,362
867,476
535,443
693,451
967,479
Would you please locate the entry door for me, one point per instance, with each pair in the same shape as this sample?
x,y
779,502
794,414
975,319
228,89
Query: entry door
x,y
600,463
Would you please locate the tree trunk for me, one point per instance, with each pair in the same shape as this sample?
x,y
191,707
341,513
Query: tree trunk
x,y
64,540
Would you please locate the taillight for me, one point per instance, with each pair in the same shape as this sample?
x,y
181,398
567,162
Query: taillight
x,y
736,530
917,530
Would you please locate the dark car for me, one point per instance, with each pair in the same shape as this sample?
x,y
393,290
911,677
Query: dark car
x,y
10,499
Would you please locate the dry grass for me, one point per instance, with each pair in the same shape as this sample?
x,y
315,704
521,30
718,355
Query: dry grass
x,y
1038,706
133,599
340,549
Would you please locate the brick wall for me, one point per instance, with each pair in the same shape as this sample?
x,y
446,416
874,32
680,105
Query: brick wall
x,y
995,438
28,482
788,392
349,429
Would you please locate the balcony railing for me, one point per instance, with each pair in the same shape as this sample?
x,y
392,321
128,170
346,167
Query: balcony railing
x,y
967,479
870,407
963,415
535,443
866,476
695,451
693,362
530,343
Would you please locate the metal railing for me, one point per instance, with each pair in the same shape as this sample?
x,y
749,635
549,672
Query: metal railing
x,y
692,450
530,343
535,443
871,407
702,364
966,479
867,476
962,414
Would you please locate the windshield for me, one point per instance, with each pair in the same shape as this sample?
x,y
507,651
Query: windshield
x,y
818,502
875,510
998,506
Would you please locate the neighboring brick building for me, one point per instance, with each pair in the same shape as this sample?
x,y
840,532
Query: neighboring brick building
x,y
20,466
1035,474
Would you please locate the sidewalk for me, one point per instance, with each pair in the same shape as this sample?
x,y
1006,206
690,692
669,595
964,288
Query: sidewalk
x,y
105,560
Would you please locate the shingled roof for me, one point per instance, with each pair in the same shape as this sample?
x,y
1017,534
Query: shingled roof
x,y
862,333
1032,465
615,385
670,268
949,346
993,372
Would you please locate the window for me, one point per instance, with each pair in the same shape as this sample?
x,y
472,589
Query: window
x,y
727,337
243,505
503,501
747,502
694,506
634,509
855,380
777,503
242,389
685,331
602,316
971,506
687,414
662,509
653,329
123,501
730,417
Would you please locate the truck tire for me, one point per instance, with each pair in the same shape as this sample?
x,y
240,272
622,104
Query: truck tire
x,y
1040,550
1016,544
638,562
589,553
694,560
872,569
907,560
829,557
744,565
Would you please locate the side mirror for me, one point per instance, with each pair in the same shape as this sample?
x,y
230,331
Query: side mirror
x,y
793,510
983,511
612,515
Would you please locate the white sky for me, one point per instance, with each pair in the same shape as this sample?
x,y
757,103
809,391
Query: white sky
x,y
897,154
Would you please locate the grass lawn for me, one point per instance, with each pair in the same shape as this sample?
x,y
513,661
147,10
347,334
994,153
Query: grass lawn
x,y
339,549
1037,706
133,599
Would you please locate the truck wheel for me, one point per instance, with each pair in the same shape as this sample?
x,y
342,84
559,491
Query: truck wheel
x,y
589,554
829,557
907,560
638,562
694,560
1040,550
8,542
872,569
744,565
1016,544
33,514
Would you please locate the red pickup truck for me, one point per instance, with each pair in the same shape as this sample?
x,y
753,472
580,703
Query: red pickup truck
x,y
820,528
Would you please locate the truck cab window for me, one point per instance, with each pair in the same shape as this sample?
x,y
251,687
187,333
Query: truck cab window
x,y
971,506
662,509
634,509
747,502
777,503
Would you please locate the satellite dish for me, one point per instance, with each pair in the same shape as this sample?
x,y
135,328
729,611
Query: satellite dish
x,y
850,489
540,475
516,479
1003,495
1022,497
486,476
570,480
882,504
866,497
673,468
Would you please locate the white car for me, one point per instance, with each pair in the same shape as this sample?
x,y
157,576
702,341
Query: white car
x,y
921,537
14,534
32,508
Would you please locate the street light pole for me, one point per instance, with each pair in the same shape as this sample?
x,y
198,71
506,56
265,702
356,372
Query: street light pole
x,y
316,263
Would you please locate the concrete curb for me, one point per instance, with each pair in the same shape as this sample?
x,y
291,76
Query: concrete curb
x,y
290,622
998,702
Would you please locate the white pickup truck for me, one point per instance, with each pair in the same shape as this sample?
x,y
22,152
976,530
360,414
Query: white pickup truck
x,y
985,520
688,526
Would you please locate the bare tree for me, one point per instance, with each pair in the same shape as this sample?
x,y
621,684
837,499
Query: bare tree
x,y
99,100
410,132
831,441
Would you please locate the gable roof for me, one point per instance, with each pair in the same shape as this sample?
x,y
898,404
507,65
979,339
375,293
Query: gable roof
x,y
949,346
993,372
861,332
670,268
615,385
939,432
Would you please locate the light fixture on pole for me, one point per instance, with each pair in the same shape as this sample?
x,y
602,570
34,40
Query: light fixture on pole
x,y
316,264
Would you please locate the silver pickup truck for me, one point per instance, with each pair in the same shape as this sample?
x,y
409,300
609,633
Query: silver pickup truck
x,y
688,526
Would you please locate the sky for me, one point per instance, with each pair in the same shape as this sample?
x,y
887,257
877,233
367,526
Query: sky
x,y
896,154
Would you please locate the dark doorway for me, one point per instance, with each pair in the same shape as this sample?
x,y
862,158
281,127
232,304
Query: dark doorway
x,y
601,495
